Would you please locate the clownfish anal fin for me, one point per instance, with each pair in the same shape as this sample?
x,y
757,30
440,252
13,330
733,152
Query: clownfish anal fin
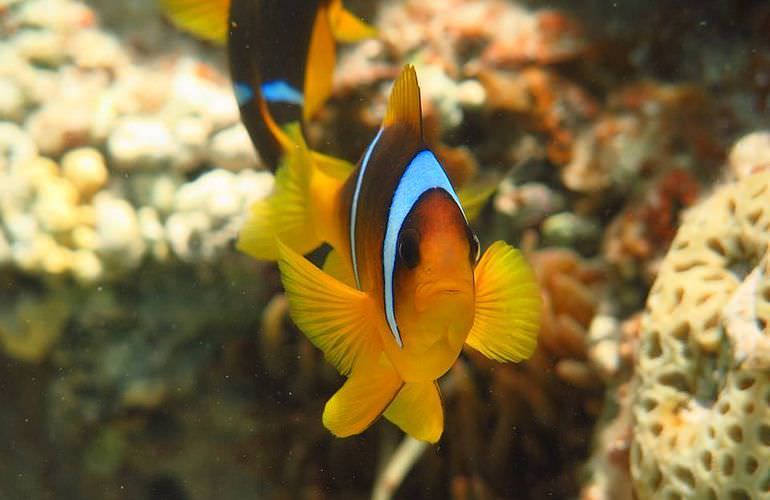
x,y
363,398
346,27
404,102
336,318
508,305
417,411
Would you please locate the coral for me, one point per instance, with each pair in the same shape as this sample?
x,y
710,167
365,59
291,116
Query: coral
x,y
567,229
124,172
502,32
231,149
209,212
647,127
612,352
548,103
85,169
527,204
702,407
570,287
638,237
750,154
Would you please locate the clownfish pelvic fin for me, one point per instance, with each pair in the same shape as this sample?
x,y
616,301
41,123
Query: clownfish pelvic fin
x,y
417,410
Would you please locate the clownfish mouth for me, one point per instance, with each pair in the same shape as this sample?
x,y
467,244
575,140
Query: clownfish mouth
x,y
428,293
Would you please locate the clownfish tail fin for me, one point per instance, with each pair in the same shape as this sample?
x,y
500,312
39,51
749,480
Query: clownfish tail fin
x,y
206,19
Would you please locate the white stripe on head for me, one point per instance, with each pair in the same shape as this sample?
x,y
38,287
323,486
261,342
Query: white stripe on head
x,y
354,206
423,173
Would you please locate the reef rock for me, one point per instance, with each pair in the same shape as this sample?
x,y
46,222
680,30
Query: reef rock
x,y
702,411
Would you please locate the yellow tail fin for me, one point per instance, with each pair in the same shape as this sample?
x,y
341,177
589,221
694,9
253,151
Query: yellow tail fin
x,y
205,19
346,26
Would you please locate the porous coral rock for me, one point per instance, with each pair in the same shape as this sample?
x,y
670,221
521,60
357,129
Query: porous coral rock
x,y
750,153
703,405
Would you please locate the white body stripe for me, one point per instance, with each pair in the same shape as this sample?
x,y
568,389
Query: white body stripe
x,y
422,174
354,206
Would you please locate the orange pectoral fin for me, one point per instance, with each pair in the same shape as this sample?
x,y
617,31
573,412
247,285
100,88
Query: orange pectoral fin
x,y
362,399
345,26
508,305
417,411
336,318
205,19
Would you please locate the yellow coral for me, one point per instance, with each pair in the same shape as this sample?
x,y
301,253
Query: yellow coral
x,y
703,407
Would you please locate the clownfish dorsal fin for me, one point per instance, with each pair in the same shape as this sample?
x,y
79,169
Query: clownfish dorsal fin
x,y
404,102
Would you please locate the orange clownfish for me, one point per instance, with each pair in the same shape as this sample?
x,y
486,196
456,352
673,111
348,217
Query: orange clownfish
x,y
405,286
281,53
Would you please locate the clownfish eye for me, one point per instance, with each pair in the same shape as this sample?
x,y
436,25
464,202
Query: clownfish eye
x,y
409,248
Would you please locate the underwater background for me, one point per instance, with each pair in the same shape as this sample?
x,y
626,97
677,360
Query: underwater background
x,y
143,357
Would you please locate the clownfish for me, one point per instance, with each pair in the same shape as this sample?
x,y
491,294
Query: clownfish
x,y
405,286
281,56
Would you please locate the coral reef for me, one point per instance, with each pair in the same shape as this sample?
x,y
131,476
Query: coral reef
x,y
130,329
701,409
